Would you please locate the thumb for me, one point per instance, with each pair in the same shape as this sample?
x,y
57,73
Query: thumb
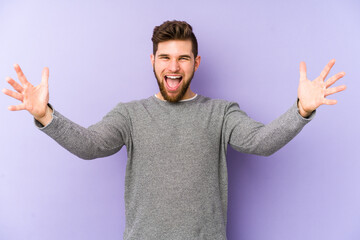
x,y
302,71
45,76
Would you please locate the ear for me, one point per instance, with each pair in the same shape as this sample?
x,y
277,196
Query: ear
x,y
152,58
197,62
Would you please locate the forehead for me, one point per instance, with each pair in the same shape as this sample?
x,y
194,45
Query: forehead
x,y
175,48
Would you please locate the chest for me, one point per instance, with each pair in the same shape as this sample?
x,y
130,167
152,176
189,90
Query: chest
x,y
178,129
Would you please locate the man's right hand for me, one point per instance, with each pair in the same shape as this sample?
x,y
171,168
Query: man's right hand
x,y
34,99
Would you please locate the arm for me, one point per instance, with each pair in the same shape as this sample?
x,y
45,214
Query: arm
x,y
249,136
100,140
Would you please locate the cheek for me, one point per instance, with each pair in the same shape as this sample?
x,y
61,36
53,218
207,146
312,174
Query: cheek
x,y
188,68
159,68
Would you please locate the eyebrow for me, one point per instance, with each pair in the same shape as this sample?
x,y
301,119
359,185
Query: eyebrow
x,y
163,55
167,55
185,55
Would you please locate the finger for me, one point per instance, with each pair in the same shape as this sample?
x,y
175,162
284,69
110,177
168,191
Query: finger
x,y
20,74
302,71
327,69
329,101
17,107
13,94
15,85
334,90
333,79
45,76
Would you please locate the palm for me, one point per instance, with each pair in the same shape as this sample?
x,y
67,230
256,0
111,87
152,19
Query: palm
x,y
312,94
34,99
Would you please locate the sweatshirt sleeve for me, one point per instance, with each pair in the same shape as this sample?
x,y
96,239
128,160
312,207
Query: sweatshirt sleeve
x,y
99,140
249,136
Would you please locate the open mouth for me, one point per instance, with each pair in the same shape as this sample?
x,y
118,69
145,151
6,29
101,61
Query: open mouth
x,y
173,82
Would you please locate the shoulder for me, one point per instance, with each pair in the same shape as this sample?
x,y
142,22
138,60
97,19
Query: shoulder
x,y
211,101
133,103
130,108
217,103
216,107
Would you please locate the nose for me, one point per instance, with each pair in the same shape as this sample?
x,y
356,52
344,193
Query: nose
x,y
174,66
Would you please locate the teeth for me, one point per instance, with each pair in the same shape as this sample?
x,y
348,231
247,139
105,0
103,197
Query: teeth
x,y
173,77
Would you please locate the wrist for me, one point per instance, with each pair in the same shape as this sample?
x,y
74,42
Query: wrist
x,y
46,119
303,113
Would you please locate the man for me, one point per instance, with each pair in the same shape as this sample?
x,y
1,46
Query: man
x,y
176,174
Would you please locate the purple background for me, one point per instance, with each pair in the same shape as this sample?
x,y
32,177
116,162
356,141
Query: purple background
x,y
98,54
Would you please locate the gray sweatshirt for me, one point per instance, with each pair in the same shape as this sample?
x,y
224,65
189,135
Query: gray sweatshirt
x,y
176,179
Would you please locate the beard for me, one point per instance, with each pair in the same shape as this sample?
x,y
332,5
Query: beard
x,y
182,92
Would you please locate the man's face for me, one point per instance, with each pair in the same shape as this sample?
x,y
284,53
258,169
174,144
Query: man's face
x,y
174,66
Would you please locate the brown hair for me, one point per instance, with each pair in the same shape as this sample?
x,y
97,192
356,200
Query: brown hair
x,y
174,30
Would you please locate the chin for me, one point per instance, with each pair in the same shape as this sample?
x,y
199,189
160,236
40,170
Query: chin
x,y
172,97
